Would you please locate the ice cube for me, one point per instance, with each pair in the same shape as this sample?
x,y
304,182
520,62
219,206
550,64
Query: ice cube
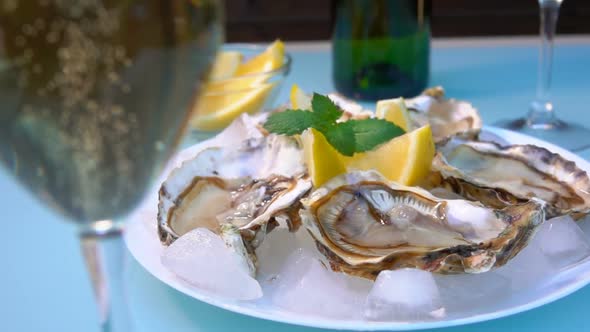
x,y
464,292
274,251
305,286
529,267
201,258
360,286
562,241
276,248
405,294
306,241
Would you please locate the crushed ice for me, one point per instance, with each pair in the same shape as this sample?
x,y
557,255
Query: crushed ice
x,y
404,294
201,258
293,276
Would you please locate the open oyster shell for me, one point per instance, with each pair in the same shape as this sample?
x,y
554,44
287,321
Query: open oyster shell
x,y
350,108
500,176
235,192
364,224
447,117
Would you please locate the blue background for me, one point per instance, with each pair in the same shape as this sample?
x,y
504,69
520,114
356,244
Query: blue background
x,y
43,282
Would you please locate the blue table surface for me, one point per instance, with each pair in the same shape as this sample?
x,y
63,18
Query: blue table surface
x,y
43,282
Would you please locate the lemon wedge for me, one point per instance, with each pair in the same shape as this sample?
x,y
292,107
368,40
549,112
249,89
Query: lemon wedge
x,y
254,71
214,112
299,99
244,91
322,160
418,156
394,110
225,65
272,58
405,159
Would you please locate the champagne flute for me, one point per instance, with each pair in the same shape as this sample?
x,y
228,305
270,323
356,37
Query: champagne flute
x,y
541,120
95,95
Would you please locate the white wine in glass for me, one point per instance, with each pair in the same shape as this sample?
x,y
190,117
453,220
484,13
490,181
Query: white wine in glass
x,y
541,120
95,96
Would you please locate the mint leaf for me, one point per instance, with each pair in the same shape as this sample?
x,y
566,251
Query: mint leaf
x,y
289,122
369,133
347,137
325,109
341,136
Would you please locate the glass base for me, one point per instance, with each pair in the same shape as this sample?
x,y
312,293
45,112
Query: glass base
x,y
567,135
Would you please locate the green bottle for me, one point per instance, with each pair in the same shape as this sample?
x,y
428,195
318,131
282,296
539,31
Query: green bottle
x,y
381,48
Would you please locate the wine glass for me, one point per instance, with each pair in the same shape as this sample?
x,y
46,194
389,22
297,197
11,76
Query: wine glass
x,y
95,96
541,120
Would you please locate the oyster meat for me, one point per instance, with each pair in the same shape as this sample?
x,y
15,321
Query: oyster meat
x,y
364,224
447,117
236,193
500,176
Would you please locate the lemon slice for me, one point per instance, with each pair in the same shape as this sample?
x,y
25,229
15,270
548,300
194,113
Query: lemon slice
x,y
322,160
405,159
254,71
214,112
244,91
236,84
272,58
394,110
299,99
225,65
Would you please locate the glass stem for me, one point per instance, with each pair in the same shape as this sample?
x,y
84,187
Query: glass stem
x,y
104,252
541,114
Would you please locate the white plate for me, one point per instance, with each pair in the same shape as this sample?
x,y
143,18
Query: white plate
x,y
142,240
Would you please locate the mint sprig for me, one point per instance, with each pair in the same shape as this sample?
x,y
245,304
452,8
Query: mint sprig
x,y
325,109
290,122
348,138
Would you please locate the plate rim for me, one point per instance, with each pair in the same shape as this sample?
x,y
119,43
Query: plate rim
x,y
582,271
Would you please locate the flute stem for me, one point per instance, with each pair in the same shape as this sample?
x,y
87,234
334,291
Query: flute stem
x,y
104,252
541,114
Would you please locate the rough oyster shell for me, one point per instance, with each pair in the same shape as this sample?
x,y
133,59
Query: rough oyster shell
x,y
500,176
364,224
236,193
447,117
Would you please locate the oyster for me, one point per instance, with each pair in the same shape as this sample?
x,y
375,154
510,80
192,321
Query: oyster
x,y
447,117
500,176
235,193
364,224
350,108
